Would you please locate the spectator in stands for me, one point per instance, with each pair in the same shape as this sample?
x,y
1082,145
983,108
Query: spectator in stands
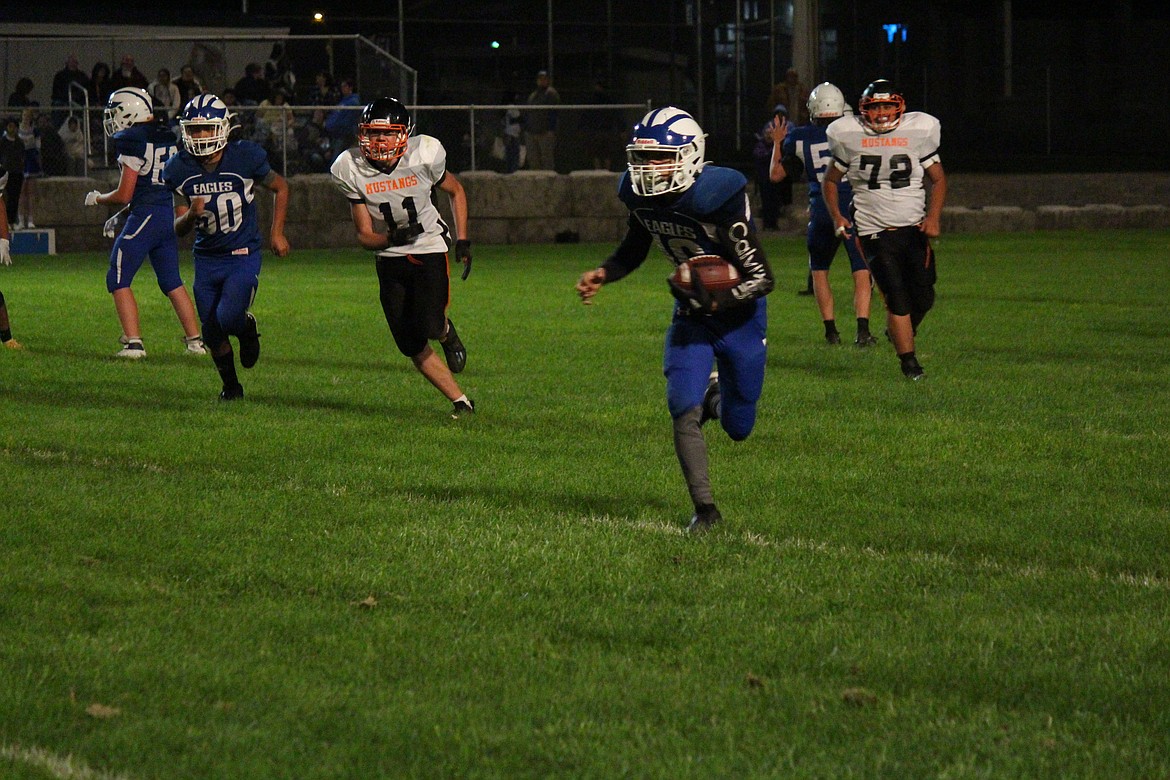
x,y
313,142
229,98
33,168
791,92
189,85
21,97
341,124
774,196
274,109
12,160
252,88
322,93
165,94
542,125
99,86
278,71
69,86
54,158
73,138
127,75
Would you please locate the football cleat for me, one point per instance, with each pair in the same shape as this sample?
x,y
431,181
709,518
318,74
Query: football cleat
x,y
462,408
865,340
249,342
195,345
13,344
711,399
912,370
131,348
231,393
833,338
454,350
704,519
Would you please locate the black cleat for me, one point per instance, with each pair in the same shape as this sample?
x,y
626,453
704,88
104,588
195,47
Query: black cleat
x,y
865,340
705,518
249,342
711,400
231,393
454,350
806,291
912,370
833,338
462,408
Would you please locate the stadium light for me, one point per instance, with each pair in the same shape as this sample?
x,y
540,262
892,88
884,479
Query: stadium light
x,y
318,17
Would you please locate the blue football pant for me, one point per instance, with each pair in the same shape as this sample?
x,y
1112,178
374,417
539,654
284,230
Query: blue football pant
x,y
146,235
224,289
739,350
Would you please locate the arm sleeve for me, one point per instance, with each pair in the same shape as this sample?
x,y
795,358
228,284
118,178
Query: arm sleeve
x,y
741,247
630,253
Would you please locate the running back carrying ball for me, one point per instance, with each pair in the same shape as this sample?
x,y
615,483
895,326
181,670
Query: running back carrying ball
x,y
716,273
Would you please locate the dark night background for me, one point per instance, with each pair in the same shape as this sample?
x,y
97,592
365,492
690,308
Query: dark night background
x,y
1090,80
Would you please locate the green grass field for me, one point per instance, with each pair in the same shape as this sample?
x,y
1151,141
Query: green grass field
x,y
966,577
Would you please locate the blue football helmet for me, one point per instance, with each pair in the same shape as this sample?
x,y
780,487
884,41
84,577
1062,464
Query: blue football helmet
x,y
202,112
665,152
127,106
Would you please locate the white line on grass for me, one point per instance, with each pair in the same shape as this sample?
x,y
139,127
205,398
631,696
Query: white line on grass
x,y
62,767
1028,571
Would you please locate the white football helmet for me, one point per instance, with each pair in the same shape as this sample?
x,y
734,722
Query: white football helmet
x,y
665,152
127,106
201,113
826,102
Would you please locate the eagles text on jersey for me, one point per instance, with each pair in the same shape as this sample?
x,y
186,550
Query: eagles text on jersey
x,y
228,225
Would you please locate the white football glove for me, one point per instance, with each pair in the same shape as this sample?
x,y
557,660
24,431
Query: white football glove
x,y
5,255
112,226
91,198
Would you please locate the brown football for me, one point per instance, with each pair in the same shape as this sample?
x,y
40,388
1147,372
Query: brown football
x,y
716,273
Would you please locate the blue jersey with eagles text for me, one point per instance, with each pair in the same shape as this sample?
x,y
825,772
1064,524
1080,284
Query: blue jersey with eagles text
x,y
810,144
686,227
145,149
228,225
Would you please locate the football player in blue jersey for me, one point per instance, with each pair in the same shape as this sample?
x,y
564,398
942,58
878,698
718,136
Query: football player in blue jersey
x,y
215,179
691,209
5,259
143,145
807,146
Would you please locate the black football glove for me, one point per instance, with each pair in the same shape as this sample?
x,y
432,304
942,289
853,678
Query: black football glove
x,y
463,255
696,299
401,236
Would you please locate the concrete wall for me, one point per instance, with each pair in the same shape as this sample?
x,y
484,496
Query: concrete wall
x,y
536,206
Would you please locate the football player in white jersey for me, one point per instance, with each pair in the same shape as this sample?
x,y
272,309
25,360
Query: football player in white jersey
x,y
388,178
886,154
5,259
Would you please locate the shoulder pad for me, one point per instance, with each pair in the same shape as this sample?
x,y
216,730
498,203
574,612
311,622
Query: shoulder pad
x,y
715,186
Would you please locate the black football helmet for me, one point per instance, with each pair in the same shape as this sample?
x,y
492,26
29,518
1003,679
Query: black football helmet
x,y
876,103
383,131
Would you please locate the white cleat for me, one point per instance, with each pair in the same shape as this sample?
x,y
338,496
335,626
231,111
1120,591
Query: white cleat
x,y
195,345
131,349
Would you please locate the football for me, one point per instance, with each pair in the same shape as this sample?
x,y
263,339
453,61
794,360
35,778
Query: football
x,y
716,273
